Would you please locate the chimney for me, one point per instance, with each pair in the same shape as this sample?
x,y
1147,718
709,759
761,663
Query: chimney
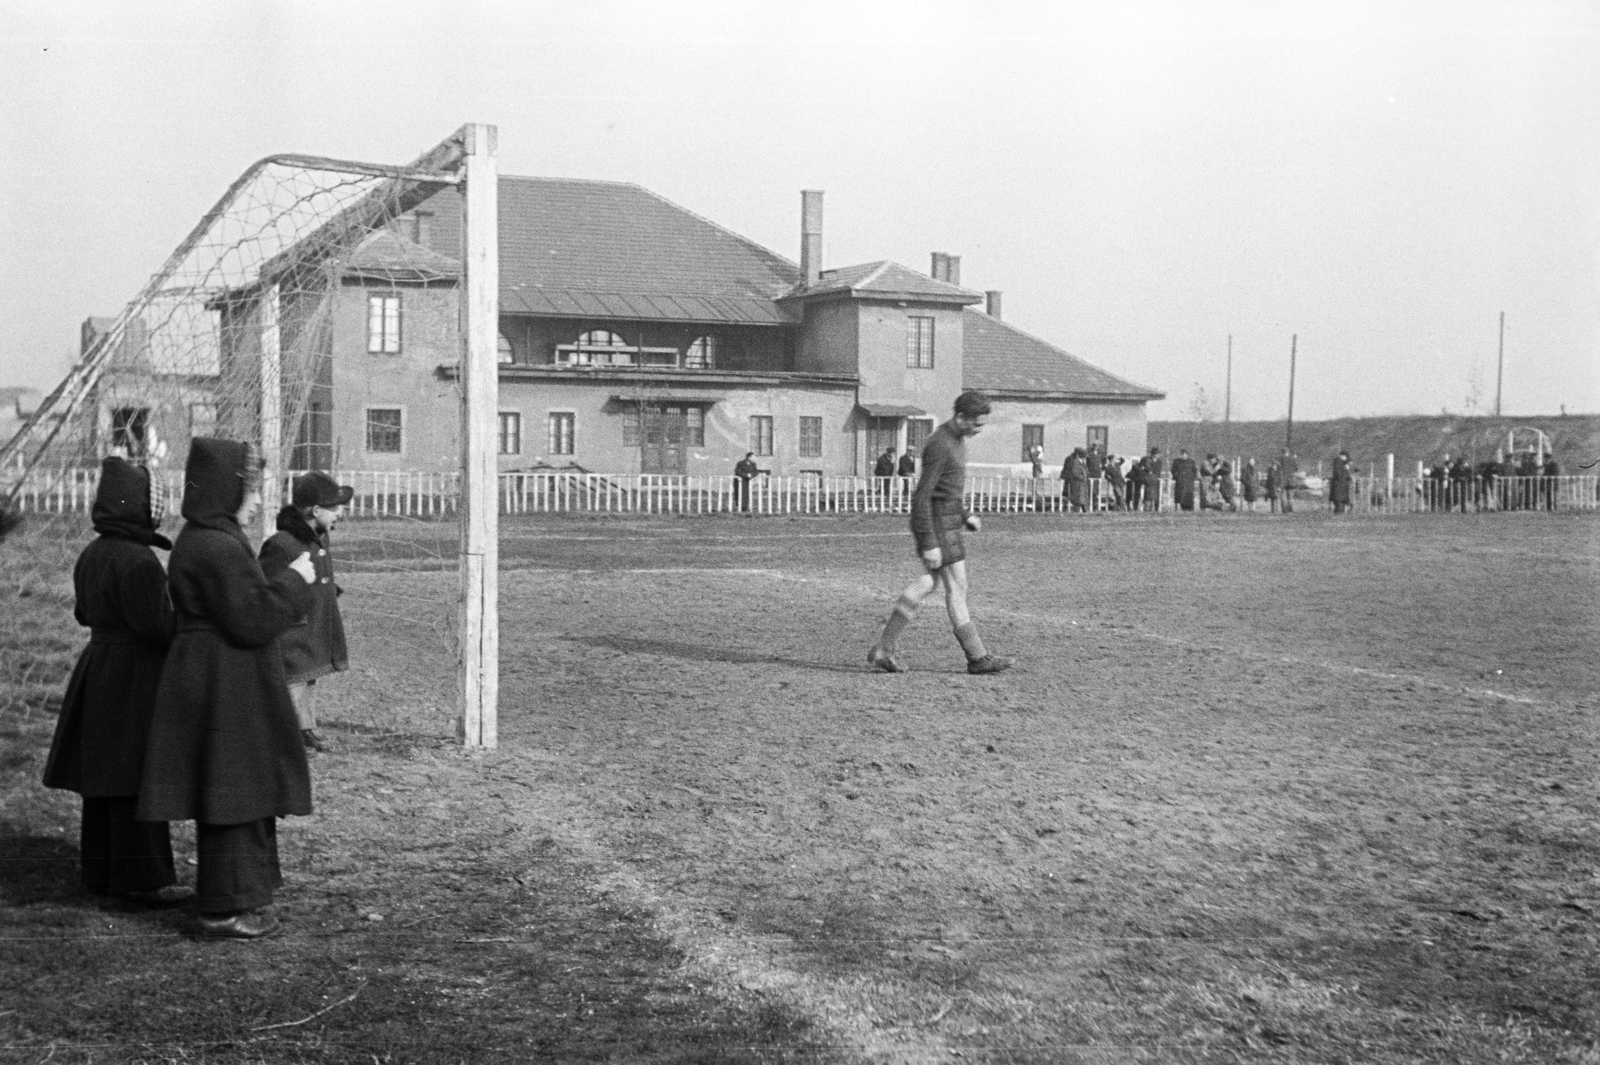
x,y
810,236
993,305
946,268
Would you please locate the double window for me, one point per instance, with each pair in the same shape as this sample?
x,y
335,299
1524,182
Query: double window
x,y
919,342
385,430
563,427
810,437
510,432
761,434
383,324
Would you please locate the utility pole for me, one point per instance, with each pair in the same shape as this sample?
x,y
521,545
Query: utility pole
x,y
1500,374
1289,440
1227,394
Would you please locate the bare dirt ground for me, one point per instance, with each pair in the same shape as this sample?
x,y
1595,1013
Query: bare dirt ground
x,y
1269,789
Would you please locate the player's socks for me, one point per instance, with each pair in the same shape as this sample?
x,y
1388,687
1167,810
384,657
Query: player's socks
x,y
971,642
900,619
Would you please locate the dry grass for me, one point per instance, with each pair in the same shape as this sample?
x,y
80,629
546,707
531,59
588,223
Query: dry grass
x,y
1295,791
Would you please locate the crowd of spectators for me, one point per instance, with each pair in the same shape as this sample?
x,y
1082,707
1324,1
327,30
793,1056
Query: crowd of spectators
x,y
1524,481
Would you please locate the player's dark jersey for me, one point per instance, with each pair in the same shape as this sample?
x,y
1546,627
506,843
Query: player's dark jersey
x,y
937,502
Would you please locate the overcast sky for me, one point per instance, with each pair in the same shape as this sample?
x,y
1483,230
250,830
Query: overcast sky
x,y
1141,180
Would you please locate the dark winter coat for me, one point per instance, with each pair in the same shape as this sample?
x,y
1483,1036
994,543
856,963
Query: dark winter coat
x,y
1075,472
225,746
1339,483
121,589
315,647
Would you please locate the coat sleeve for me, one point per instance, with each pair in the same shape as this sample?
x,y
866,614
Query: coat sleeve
x,y
146,605
247,606
275,556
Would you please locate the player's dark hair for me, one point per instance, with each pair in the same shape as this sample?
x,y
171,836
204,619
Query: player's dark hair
x,y
973,405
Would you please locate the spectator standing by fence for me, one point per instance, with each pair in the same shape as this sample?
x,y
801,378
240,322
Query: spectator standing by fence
x,y
1075,478
744,471
1224,482
1339,484
906,469
1552,470
883,475
1116,484
1184,473
1288,474
1460,483
1135,486
1095,467
98,750
1154,467
1250,484
225,749
316,646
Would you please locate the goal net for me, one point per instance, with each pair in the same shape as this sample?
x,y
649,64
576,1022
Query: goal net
x,y
320,310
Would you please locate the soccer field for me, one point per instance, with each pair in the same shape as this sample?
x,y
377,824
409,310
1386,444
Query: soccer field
x,y
1320,788
1276,789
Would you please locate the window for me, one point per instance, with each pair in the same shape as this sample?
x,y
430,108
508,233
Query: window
x,y
917,432
383,324
810,437
602,347
1101,435
1031,435
203,419
630,427
385,426
563,428
510,432
694,419
761,434
128,426
919,343
504,351
702,354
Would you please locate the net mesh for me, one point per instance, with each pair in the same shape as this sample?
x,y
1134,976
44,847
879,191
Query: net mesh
x,y
309,312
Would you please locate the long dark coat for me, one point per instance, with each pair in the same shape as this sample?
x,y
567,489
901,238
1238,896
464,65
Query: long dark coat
x,y
98,750
315,646
225,746
1339,483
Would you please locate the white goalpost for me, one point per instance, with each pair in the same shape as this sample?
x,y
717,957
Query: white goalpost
x,y
479,667
253,321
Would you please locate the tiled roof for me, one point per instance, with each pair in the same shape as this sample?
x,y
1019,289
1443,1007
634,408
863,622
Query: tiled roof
x,y
387,255
884,280
615,250
1002,358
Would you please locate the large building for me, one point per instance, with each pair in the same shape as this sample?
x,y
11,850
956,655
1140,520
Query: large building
x,y
638,337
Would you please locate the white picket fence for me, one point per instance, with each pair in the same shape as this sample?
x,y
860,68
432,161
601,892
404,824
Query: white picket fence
x,y
380,494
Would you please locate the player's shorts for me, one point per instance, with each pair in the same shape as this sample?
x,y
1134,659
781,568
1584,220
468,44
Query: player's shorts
x,y
951,543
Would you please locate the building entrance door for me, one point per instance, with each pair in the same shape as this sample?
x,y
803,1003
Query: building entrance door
x,y
883,434
664,440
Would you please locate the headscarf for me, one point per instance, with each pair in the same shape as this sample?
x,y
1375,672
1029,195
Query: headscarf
x,y
216,479
122,504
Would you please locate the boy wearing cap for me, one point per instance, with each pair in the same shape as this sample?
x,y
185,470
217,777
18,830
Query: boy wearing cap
x,y
315,647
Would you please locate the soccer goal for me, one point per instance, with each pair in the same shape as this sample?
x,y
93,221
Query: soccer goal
x,y
343,316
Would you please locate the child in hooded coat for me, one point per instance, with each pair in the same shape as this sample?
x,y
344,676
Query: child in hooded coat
x,y
98,750
225,749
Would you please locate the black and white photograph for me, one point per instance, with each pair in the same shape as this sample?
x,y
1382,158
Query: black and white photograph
x,y
872,534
